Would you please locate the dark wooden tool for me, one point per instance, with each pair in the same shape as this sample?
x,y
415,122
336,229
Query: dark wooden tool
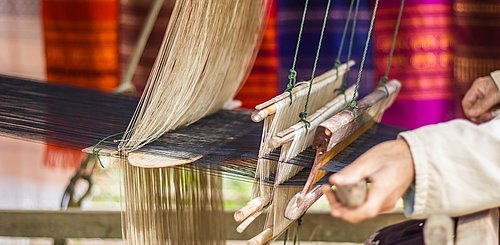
x,y
334,135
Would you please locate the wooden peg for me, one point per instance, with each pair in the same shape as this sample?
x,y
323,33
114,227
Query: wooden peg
x,y
253,206
243,226
261,238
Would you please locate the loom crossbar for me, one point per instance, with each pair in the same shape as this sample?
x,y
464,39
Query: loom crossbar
x,y
227,141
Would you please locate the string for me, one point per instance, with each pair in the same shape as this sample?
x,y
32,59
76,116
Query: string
x,y
383,80
352,104
296,240
303,114
95,150
293,73
341,46
351,40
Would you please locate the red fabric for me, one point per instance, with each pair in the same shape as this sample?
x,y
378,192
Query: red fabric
x,y
422,60
262,83
81,38
132,19
81,47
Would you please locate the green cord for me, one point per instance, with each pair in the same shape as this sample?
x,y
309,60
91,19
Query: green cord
x,y
95,150
383,80
353,105
344,33
293,73
341,46
303,115
353,31
349,49
351,44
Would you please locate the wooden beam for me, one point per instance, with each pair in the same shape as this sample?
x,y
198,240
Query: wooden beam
x,y
60,224
478,228
106,225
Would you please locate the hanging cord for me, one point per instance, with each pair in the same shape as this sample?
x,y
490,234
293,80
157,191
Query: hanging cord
x,y
96,150
285,240
351,40
296,240
83,173
353,105
383,80
349,50
293,73
303,114
126,85
341,47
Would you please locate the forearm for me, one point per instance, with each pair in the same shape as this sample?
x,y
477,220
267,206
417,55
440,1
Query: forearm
x,y
457,167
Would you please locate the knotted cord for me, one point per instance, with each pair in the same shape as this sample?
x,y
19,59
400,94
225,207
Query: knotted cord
x,y
341,46
293,73
351,40
384,79
352,104
303,114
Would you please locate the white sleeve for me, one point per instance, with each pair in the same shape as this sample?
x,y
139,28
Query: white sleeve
x,y
496,78
457,167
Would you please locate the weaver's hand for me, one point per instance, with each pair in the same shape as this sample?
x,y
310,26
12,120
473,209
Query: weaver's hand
x,y
480,99
389,168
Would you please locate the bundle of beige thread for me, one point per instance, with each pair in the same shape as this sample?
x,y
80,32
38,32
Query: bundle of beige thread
x,y
207,52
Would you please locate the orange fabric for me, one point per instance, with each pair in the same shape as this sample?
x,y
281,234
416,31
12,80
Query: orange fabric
x,y
81,42
262,83
81,49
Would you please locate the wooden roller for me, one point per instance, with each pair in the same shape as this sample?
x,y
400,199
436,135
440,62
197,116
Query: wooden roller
x,y
334,135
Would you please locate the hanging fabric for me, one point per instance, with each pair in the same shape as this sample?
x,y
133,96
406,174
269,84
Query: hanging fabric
x,y
81,49
422,60
132,19
262,83
288,19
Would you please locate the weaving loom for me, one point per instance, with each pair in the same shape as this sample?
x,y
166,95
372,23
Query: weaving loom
x,y
171,183
234,154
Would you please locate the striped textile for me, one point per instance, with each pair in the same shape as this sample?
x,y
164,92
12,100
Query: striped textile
x,y
81,42
289,17
132,19
81,49
476,48
422,60
262,83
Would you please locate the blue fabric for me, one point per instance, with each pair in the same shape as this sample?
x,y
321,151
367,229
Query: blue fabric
x,y
409,200
288,23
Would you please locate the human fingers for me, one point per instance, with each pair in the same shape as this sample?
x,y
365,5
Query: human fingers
x,y
332,201
483,106
360,169
481,98
483,117
371,208
470,98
